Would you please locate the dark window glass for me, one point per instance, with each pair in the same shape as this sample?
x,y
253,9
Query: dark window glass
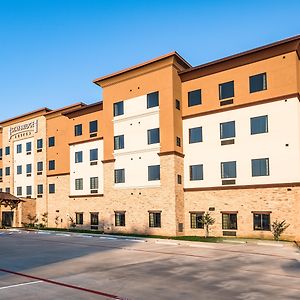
x,y
228,169
119,142
152,99
78,129
93,154
78,157
260,167
229,221
94,219
7,190
7,150
227,130
7,171
51,164
29,190
226,90
179,179
259,124
19,170
196,172
94,183
28,147
261,221
79,184
19,148
178,141
39,166
93,126
119,219
195,135
118,108
28,168
258,82
194,97
1,153
51,188
79,218
154,219
153,136
119,175
39,143
40,189
177,104
19,191
196,220
154,172
51,141
1,172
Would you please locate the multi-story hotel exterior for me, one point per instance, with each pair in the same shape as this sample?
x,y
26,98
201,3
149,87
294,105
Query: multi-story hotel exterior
x,y
168,143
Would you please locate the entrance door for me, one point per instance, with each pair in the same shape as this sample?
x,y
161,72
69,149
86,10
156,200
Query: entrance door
x,y
94,220
7,218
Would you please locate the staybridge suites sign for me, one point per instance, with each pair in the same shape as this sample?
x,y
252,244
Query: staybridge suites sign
x,y
23,130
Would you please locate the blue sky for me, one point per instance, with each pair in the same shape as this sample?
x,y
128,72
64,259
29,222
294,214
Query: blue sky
x,y
51,50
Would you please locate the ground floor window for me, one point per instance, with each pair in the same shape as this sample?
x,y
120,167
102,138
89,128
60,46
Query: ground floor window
x,y
79,218
154,219
94,220
229,220
196,220
119,218
261,221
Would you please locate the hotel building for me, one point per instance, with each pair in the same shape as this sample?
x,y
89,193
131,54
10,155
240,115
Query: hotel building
x,y
168,143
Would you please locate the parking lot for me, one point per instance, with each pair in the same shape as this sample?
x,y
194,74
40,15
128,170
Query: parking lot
x,y
50,265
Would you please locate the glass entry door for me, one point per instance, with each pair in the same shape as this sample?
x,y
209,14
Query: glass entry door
x,y
94,220
7,218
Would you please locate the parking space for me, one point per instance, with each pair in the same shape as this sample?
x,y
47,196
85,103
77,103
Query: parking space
x,y
49,265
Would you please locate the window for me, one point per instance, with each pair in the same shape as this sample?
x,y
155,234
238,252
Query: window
x,y
226,90
178,141
118,108
196,220
228,169
177,104
119,142
7,190
1,172
179,179
152,99
119,175
7,150
261,221
227,130
79,218
28,147
93,126
94,183
154,219
51,164
119,218
94,220
51,141
78,157
39,166
93,154
40,189
19,191
195,135
258,82
78,184
259,124
28,168
39,144
28,190
51,188
19,148
194,98
196,172
78,129
229,221
7,171
260,167
153,136
1,153
19,170
154,172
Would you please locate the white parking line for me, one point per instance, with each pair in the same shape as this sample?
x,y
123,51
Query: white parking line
x,y
233,241
42,232
107,238
166,243
85,236
20,284
62,234
201,246
269,244
135,240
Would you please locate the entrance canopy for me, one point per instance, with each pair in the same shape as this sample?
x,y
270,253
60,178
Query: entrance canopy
x,y
7,199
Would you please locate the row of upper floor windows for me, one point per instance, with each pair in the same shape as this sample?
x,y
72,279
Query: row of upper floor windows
x,y
93,128
153,174
257,83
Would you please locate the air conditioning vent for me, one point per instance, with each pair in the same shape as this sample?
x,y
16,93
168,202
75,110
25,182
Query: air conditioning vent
x,y
229,233
226,102
228,181
227,142
94,191
93,163
39,173
28,153
93,134
39,150
39,196
28,175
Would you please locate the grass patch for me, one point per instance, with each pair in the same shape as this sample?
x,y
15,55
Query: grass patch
x,y
73,230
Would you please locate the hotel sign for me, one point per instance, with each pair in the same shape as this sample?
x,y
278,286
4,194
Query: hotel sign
x,y
23,130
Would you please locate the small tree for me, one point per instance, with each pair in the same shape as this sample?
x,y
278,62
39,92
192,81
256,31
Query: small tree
x,y
32,220
56,221
72,222
278,228
45,218
207,220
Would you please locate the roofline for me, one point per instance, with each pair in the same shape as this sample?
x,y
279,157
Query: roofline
x,y
65,108
100,103
248,52
148,62
43,109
